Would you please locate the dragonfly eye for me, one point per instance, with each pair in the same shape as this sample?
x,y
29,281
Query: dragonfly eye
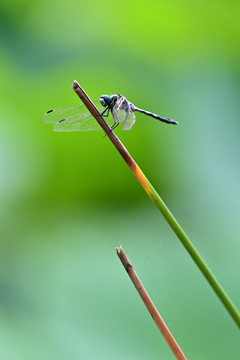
x,y
105,100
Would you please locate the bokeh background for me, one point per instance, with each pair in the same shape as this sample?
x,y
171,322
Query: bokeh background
x,y
68,199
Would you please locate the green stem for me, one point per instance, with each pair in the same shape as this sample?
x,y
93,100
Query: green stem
x,y
195,255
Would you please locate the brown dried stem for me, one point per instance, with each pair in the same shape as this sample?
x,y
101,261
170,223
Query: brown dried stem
x,y
150,306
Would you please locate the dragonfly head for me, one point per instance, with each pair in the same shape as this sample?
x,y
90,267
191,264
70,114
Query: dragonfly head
x,y
105,100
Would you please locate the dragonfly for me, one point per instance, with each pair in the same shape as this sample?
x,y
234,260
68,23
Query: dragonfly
x,y
78,118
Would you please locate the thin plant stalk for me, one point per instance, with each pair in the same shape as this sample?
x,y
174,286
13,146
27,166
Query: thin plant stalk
x,y
166,333
152,193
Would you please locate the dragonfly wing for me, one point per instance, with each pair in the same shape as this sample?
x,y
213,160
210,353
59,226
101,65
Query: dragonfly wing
x,y
119,115
80,122
53,116
122,112
129,121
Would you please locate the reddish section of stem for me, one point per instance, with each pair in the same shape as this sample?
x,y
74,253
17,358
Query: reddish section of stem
x,y
116,142
104,125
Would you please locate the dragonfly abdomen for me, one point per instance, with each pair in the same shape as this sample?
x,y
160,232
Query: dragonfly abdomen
x,y
155,116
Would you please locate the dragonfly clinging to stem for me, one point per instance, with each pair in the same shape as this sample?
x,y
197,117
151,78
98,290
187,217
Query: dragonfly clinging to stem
x,y
77,117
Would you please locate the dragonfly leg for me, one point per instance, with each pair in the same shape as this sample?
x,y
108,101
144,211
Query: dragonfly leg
x,y
112,128
107,109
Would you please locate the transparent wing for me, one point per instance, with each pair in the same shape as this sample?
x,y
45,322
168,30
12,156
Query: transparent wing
x,y
129,121
119,115
80,122
53,116
122,112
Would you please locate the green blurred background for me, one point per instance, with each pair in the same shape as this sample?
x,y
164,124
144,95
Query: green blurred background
x,y
68,199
